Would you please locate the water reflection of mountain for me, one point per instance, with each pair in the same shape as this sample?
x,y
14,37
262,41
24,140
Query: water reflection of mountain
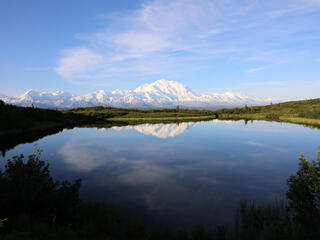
x,y
160,130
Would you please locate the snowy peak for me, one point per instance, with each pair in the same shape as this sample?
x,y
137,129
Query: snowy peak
x,y
165,86
30,94
61,94
121,92
33,95
161,93
170,89
99,96
40,99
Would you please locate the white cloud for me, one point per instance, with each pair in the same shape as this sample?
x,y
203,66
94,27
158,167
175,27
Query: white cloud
x,y
79,61
169,36
297,6
258,69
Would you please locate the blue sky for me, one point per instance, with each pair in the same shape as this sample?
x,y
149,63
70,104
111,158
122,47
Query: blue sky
x,y
260,48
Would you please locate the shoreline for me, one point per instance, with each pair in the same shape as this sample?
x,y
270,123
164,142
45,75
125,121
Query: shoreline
x,y
126,121
13,137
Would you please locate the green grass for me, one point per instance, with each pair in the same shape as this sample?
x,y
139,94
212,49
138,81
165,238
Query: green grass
x,y
122,114
294,111
14,117
300,109
301,112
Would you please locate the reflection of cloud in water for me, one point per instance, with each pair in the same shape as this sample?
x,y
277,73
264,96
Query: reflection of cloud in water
x,y
160,130
131,164
257,144
171,178
263,145
145,173
198,176
81,156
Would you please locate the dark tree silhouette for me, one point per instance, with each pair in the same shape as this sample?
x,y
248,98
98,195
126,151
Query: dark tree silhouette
x,y
304,196
28,189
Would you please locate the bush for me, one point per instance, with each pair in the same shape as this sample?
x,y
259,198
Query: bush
x,y
304,197
28,190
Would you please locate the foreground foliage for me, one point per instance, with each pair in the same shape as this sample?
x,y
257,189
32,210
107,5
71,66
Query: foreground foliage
x,y
28,190
304,197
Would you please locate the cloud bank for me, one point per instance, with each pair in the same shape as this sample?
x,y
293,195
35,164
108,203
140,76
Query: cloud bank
x,y
167,36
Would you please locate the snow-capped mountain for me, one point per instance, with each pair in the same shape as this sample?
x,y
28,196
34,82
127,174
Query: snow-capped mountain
x,y
40,99
161,93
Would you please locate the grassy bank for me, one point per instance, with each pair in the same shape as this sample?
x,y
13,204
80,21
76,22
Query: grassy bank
x,y
299,109
301,112
17,119
119,114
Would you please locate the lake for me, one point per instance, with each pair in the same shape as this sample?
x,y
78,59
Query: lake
x,y
179,174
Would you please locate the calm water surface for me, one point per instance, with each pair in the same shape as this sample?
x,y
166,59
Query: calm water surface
x,y
179,174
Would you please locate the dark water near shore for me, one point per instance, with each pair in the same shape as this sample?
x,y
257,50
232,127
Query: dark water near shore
x,y
179,174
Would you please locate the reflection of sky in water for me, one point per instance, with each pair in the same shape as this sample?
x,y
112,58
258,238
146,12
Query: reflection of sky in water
x,y
180,174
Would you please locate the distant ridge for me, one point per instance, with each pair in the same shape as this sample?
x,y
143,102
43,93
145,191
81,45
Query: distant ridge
x,y
161,93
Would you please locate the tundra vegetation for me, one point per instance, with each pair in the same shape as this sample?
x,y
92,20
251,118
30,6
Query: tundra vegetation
x,y
303,112
35,206
14,118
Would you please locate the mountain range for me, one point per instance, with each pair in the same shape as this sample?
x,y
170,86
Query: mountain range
x,y
161,93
